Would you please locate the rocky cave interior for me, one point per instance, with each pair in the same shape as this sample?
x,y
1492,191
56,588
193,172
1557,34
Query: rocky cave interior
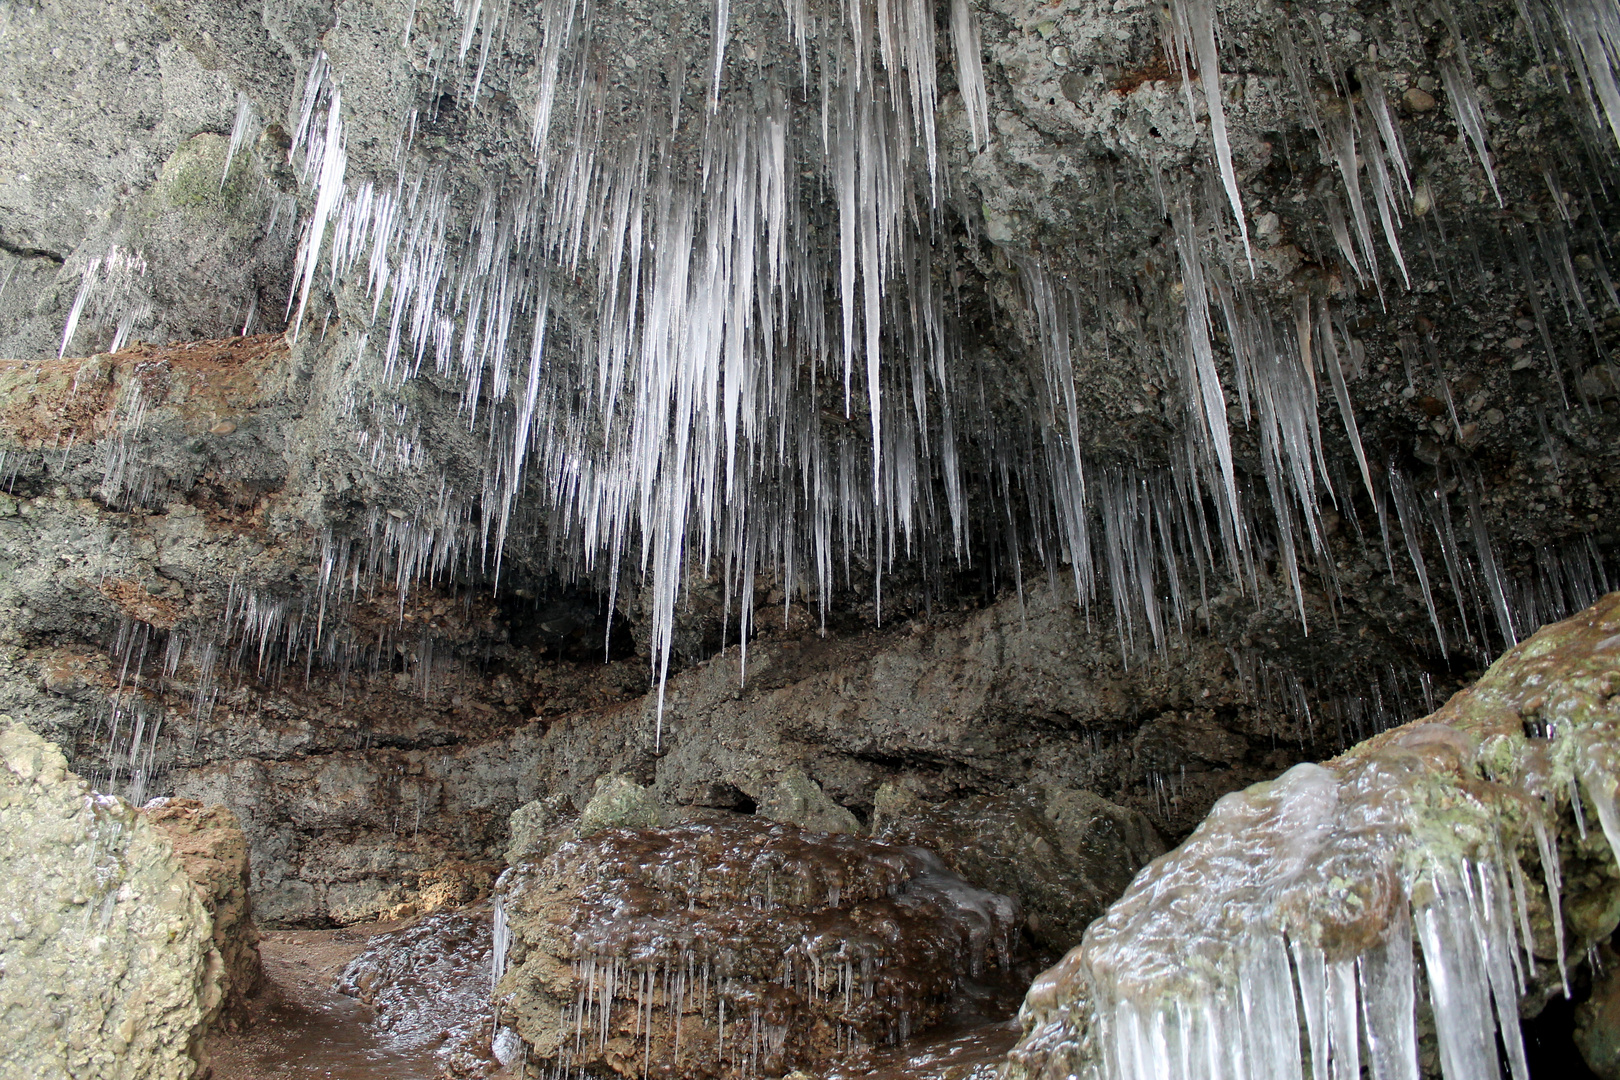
x,y
721,538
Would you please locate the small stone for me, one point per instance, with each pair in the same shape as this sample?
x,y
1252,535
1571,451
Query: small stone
x,y
1422,199
798,799
1418,100
1267,226
224,427
619,802
1060,56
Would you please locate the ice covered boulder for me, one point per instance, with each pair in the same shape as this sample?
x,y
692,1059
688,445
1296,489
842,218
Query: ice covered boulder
x,y
1456,867
734,947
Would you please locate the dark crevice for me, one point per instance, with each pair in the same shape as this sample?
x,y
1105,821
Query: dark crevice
x,y
23,252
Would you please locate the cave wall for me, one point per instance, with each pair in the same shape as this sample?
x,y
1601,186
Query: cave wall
x,y
265,572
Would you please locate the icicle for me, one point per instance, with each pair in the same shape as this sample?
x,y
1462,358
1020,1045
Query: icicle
x,y
970,73
245,120
1464,98
1192,47
1388,1001
1341,393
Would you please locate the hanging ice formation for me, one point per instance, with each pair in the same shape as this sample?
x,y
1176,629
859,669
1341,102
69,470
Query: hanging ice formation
x,y
1295,906
111,291
712,332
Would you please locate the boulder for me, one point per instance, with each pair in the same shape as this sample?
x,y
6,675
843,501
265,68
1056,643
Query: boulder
x,y
735,947
214,854
618,801
110,968
1441,862
798,800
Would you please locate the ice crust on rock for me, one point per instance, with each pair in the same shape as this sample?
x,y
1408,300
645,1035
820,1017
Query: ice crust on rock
x,y
1319,882
736,947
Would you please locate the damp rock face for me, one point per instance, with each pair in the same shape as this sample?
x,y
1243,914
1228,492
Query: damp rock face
x,y
429,984
1469,858
110,969
1597,1020
1065,854
214,853
735,947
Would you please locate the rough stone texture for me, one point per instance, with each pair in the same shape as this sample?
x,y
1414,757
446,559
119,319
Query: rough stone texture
x,y
109,965
533,828
383,738
1064,854
618,802
213,852
799,800
1597,1020
736,947
115,135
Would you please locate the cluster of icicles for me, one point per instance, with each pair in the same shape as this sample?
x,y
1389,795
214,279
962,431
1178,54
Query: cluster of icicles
x,y
772,381
1295,904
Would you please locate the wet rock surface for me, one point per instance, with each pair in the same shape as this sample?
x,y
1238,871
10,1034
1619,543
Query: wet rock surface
x,y
1448,859
262,572
429,986
1064,854
737,947
109,965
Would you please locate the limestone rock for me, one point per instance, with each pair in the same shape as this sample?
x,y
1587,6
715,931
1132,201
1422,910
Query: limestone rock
x,y
533,827
1437,859
214,853
1065,854
618,802
109,965
798,800
735,947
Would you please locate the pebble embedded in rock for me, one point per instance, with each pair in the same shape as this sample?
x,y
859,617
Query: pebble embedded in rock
x,y
1418,100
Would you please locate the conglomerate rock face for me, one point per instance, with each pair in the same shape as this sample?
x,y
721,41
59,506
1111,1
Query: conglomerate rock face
x,y
1469,859
214,854
109,965
735,947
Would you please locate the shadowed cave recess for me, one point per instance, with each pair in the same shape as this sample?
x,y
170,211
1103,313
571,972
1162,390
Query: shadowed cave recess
x,y
730,532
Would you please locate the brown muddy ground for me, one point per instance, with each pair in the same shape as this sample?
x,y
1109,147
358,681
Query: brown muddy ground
x,y
299,1028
